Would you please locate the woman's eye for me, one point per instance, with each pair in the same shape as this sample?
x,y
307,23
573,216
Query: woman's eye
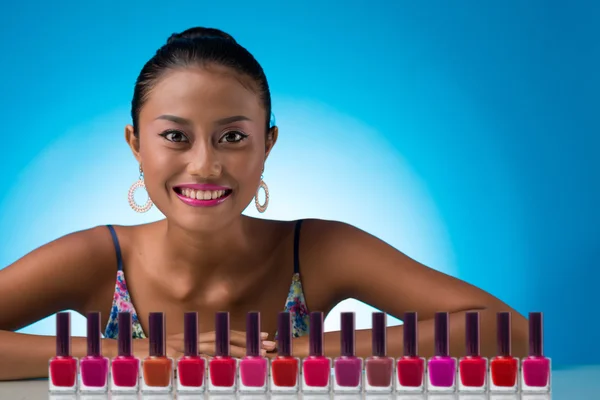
x,y
233,137
174,136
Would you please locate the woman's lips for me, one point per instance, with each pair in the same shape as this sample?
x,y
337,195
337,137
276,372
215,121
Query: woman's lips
x,y
202,195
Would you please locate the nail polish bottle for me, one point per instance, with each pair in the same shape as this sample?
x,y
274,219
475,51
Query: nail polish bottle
x,y
504,368
222,368
316,368
62,369
191,367
253,367
347,367
536,369
157,368
94,367
379,368
410,368
441,367
472,368
125,368
284,368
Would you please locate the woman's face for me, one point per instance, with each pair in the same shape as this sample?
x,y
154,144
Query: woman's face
x,y
202,145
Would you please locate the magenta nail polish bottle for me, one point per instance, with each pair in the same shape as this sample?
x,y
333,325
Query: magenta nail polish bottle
x,y
94,367
316,368
347,367
254,368
62,369
536,369
441,368
379,367
125,368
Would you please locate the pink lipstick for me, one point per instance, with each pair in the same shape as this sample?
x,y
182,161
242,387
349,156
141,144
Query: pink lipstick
x,y
202,195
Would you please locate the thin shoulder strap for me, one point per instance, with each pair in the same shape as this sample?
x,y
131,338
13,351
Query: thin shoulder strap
x,y
117,246
297,246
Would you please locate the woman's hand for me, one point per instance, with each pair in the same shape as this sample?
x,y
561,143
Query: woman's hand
x,y
206,344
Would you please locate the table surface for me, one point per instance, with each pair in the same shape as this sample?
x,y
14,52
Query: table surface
x,y
572,383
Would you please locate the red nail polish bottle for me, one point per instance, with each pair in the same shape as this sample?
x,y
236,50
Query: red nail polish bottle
x,y
410,368
62,369
379,367
125,368
472,368
504,368
222,368
316,368
536,369
191,367
254,368
284,368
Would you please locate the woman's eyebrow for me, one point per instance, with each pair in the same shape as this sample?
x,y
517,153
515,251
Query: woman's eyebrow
x,y
222,121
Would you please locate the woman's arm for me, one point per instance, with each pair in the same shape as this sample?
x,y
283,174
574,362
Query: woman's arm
x,y
354,264
65,274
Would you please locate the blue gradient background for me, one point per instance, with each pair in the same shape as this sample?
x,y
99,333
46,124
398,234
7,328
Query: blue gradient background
x,y
464,135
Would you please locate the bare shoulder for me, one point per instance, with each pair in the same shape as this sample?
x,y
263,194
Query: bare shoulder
x,y
67,273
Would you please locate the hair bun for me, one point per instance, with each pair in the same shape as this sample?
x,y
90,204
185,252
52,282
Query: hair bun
x,y
201,33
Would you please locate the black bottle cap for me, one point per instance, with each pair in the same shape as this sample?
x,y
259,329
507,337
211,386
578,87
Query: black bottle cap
x,y
411,340
348,336
315,338
379,334
125,337
503,334
157,334
472,334
284,334
94,348
190,334
253,334
441,334
536,334
63,334
222,348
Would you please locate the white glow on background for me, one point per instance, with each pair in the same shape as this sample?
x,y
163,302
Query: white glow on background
x,y
325,165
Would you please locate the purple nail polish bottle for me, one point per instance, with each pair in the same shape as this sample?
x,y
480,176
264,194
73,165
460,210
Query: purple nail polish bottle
x,y
536,369
441,367
347,367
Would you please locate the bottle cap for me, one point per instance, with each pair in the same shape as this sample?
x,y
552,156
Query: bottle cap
x,y
222,348
124,339
315,338
157,334
190,334
253,334
63,334
536,334
411,342
347,339
93,335
379,334
441,334
284,334
503,334
472,334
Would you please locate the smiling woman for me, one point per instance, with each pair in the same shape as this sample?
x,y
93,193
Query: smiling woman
x,y
201,135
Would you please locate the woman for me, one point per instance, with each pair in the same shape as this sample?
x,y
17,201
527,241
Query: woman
x,y
201,134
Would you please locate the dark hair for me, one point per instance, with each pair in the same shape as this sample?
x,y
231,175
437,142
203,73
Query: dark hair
x,y
198,46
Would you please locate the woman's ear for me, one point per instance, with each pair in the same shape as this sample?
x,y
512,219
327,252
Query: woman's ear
x,y
271,140
133,142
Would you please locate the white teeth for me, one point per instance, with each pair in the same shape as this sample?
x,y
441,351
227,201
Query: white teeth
x,y
202,194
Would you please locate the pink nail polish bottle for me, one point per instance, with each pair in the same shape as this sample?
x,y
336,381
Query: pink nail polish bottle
x,y
347,367
253,368
379,367
94,367
316,368
536,370
62,369
222,368
441,368
125,368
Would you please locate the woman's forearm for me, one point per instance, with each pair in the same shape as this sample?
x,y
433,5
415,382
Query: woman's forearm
x,y
24,356
395,338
